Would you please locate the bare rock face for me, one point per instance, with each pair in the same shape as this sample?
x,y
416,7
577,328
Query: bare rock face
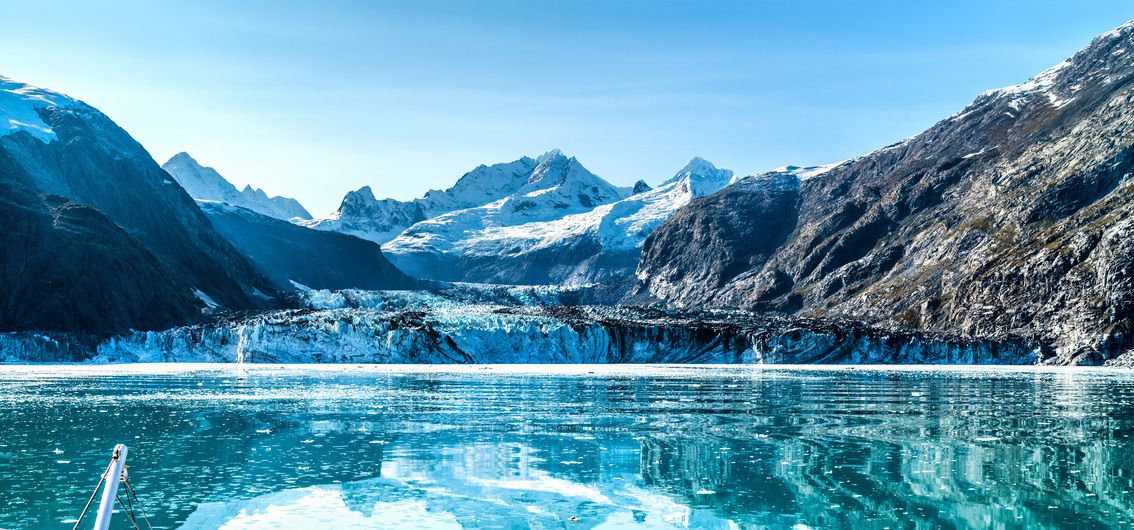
x,y
1014,216
66,267
716,238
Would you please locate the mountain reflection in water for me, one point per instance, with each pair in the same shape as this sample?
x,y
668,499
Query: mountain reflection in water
x,y
634,447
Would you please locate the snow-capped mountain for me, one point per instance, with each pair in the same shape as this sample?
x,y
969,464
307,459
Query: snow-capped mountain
x,y
22,107
205,183
96,237
558,187
363,215
577,248
380,220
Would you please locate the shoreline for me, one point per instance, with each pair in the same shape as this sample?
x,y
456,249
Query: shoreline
x,y
642,370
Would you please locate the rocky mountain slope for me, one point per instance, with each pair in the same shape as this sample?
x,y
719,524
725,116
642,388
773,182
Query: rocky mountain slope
x,y
1014,216
97,238
582,248
205,183
380,220
294,257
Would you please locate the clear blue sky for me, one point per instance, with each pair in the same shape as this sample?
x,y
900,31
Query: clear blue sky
x,y
311,99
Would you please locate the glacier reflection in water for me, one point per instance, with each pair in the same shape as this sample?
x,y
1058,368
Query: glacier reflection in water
x,y
575,447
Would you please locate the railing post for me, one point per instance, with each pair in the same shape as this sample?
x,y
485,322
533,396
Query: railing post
x,y
110,489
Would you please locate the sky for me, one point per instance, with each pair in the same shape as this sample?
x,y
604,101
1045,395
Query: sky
x,y
313,99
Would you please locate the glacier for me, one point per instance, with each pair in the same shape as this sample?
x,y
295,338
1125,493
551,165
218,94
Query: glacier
x,y
474,324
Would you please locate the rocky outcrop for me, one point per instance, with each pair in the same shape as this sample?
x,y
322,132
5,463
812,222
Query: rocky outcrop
x,y
1014,216
716,238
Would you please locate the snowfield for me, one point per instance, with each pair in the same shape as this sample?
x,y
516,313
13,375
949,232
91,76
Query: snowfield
x,y
20,107
619,226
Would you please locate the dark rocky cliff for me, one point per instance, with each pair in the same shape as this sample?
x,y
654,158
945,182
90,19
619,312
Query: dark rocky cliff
x,y
118,243
66,267
1015,216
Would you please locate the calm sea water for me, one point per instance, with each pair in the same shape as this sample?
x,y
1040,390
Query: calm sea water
x,y
574,448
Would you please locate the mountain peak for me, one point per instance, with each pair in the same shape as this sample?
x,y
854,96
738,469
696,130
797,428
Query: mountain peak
x,y
697,166
549,156
181,157
206,183
702,175
362,193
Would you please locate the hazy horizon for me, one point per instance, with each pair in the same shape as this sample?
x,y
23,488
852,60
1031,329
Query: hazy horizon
x,y
312,101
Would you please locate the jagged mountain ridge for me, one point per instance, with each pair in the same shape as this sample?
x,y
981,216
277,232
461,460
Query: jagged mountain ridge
x,y
380,220
205,183
575,249
557,188
123,245
1013,217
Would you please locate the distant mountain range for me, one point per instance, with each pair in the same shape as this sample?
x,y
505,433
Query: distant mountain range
x,y
204,183
1011,222
549,232
544,220
363,215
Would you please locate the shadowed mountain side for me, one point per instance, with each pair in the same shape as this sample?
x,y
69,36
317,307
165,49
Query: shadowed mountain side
x,y
315,259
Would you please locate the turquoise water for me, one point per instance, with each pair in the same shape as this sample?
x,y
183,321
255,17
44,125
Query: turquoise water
x,y
629,447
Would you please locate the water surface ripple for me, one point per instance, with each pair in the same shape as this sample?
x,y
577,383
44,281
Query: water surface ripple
x,y
574,447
